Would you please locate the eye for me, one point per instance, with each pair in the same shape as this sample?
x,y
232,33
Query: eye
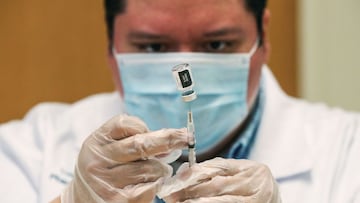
x,y
152,47
218,46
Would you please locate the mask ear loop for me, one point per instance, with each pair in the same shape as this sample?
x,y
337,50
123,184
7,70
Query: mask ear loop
x,y
113,51
254,48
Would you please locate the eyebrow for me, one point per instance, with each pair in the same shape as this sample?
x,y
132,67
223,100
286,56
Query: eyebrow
x,y
223,32
139,35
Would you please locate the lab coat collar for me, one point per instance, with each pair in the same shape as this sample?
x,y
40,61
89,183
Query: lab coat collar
x,y
282,142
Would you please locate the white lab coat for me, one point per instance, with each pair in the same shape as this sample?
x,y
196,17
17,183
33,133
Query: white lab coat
x,y
313,151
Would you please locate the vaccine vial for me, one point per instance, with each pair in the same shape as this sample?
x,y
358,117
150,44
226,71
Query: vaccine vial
x,y
184,81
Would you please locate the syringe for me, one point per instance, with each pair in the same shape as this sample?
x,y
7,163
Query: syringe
x,y
192,141
184,82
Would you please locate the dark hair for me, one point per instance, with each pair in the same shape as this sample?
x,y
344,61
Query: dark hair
x,y
257,7
112,8
115,7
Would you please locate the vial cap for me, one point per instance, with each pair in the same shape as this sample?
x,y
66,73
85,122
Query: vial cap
x,y
189,97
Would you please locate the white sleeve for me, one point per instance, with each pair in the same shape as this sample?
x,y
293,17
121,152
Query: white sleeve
x,y
346,184
20,162
22,154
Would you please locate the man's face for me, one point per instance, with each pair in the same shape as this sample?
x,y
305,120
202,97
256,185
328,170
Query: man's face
x,y
216,26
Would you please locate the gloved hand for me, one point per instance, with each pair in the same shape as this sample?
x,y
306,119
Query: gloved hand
x,y
117,162
222,180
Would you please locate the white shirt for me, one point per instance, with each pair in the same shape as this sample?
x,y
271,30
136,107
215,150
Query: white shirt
x,y
313,151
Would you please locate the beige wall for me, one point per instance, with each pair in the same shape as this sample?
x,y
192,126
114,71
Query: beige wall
x,y
330,52
56,51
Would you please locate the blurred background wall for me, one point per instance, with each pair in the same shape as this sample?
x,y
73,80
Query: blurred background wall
x,y
56,51
329,52
50,51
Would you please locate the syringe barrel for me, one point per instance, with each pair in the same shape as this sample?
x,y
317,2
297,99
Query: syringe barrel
x,y
192,157
191,129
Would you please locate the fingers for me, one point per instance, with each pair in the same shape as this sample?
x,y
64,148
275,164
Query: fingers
x,y
136,172
142,146
221,177
126,138
228,166
217,186
113,162
130,181
120,127
202,172
219,199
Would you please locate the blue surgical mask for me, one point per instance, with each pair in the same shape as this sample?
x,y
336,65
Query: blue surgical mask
x,y
221,83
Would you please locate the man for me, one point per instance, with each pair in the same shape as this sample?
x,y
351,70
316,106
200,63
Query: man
x,y
240,112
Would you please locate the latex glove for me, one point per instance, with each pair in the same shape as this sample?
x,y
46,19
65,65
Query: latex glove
x,y
222,180
116,163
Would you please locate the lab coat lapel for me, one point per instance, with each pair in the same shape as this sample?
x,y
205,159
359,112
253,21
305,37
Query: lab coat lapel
x,y
282,141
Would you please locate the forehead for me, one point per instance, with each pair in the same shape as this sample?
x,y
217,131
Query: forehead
x,y
180,6
183,15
